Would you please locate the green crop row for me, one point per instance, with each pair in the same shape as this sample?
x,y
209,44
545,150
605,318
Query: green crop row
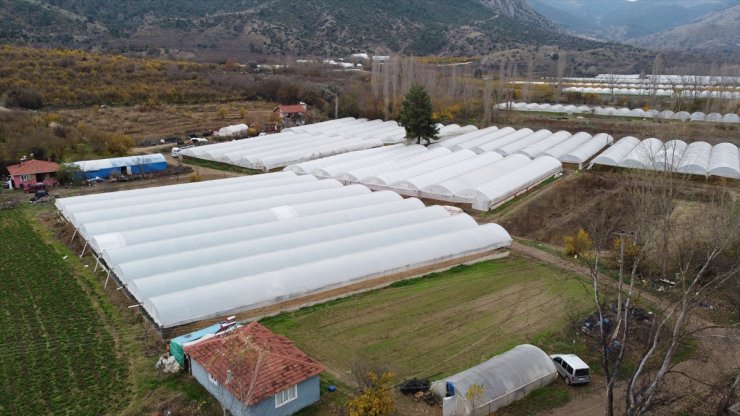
x,y
58,358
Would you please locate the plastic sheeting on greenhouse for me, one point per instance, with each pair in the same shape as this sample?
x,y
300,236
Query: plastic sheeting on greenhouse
x,y
643,156
587,150
533,150
614,155
301,143
127,165
206,252
725,161
507,187
504,379
451,190
670,155
621,112
413,186
562,148
698,158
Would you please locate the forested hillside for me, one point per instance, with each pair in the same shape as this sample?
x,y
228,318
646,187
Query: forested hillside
x,y
242,27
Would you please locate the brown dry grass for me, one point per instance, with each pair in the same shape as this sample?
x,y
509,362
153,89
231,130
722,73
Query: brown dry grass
x,y
168,119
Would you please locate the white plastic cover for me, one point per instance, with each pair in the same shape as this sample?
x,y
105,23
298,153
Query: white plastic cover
x,y
539,147
452,189
696,159
391,177
514,147
504,378
417,183
250,292
644,155
562,148
725,161
614,155
669,157
587,150
504,188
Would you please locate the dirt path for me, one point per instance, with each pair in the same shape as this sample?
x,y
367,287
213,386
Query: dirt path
x,y
717,350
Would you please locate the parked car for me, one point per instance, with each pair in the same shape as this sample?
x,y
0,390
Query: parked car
x,y
176,150
573,369
35,187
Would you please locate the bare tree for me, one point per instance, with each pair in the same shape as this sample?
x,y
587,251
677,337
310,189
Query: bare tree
x,y
559,73
487,101
683,252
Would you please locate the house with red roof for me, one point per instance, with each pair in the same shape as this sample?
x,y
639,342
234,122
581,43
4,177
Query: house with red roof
x,y
252,371
31,172
292,115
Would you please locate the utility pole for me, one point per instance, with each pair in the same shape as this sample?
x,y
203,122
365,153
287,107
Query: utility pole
x,y
336,106
621,234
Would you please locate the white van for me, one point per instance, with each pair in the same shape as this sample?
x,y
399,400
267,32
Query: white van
x,y
573,369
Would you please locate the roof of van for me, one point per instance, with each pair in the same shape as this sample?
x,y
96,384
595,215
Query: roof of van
x,y
572,360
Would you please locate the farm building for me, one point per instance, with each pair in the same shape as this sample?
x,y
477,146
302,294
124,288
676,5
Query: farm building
x,y
178,344
202,251
128,165
504,379
31,172
253,371
292,115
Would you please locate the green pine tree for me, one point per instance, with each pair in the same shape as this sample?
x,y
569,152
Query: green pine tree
x,y
416,115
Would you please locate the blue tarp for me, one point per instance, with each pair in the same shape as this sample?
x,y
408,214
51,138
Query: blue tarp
x,y
177,345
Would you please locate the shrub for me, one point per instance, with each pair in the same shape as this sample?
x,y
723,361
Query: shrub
x,y
24,98
578,244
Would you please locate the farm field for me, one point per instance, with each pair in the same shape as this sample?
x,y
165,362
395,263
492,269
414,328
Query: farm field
x,y
168,119
438,324
58,355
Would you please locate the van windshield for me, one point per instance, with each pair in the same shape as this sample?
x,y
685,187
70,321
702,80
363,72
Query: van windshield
x,y
581,372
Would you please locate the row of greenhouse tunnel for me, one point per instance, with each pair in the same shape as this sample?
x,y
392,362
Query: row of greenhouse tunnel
x,y
339,207
621,112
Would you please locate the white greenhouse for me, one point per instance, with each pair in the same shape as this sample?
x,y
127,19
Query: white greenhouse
x,y
724,161
587,150
505,188
622,112
696,159
193,252
504,379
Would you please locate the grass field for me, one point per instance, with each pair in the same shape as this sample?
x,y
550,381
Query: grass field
x,y
439,324
58,357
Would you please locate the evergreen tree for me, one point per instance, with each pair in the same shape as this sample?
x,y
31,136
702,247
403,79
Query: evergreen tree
x,y
416,115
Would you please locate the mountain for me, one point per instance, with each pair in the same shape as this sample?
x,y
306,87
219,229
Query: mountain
x,y
619,20
717,31
239,28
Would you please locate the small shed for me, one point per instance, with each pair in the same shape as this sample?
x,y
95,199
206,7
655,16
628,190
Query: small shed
x,y
128,165
253,371
31,172
178,344
504,379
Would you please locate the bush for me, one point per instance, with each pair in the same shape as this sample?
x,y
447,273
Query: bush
x,y
69,174
24,98
578,244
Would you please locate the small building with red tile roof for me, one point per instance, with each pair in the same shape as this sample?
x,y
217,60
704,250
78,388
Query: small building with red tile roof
x,y
292,115
253,371
31,172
